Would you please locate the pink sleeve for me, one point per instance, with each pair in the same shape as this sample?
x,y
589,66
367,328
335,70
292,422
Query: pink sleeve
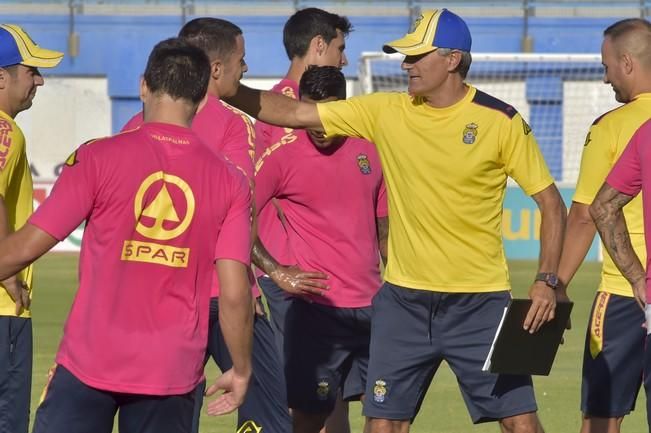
x,y
239,144
133,123
234,241
382,208
626,174
267,180
72,197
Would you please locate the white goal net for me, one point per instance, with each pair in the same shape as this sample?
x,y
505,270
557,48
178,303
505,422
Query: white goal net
x,y
560,95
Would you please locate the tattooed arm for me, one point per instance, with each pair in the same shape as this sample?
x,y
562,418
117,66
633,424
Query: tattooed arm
x,y
607,212
382,237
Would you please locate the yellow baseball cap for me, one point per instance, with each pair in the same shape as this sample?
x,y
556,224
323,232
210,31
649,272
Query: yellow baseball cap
x,y
17,47
433,29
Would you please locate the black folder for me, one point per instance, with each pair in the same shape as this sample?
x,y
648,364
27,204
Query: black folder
x,y
516,351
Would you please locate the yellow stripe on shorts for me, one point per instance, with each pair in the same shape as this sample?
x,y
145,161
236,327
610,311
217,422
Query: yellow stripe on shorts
x,y
597,324
50,375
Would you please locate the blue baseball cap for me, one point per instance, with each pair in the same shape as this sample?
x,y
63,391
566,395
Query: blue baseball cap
x,y
433,29
16,47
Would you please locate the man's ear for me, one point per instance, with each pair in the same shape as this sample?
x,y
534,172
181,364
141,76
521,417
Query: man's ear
x,y
627,63
144,90
454,58
216,69
318,45
4,78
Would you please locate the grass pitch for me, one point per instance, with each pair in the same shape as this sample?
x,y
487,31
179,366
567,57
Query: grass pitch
x,y
443,410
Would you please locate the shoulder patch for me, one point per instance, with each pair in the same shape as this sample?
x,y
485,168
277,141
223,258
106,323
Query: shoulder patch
x,y
488,101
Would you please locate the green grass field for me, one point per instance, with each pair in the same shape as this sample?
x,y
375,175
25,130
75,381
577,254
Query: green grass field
x,y
443,410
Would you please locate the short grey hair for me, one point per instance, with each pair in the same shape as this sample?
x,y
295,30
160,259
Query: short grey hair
x,y
464,64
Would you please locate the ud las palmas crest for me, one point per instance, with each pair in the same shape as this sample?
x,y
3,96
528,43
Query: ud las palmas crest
x,y
470,133
161,210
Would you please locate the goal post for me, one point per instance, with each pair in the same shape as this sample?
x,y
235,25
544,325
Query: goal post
x,y
559,95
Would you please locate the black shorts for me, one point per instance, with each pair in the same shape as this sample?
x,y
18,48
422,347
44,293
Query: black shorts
x,y
326,349
613,357
414,330
71,406
278,302
265,405
15,373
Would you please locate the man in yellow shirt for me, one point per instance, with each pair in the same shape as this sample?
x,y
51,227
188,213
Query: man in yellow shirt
x,y
19,78
446,150
614,346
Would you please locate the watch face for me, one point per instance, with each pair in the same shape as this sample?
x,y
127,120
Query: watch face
x,y
552,280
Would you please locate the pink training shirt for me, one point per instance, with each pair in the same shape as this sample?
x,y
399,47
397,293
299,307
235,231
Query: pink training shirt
x,y
160,208
632,174
271,230
227,131
331,201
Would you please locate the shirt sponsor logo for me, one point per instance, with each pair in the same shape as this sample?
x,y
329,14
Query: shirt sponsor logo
x,y
364,164
379,391
159,220
470,133
249,427
5,141
597,324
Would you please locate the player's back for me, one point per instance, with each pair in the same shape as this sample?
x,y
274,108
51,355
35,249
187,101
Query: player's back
x,y
154,200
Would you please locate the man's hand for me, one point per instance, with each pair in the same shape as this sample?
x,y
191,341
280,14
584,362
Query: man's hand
x,y
19,292
234,387
299,282
543,306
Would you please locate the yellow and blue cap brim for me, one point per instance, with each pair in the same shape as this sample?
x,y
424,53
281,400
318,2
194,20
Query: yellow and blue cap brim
x,y
16,47
433,29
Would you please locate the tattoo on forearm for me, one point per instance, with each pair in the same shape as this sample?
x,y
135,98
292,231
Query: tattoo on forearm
x,y
607,212
262,258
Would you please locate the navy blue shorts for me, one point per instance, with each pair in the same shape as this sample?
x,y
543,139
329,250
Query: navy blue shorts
x,y
71,406
613,357
414,330
647,377
278,302
265,405
326,349
15,373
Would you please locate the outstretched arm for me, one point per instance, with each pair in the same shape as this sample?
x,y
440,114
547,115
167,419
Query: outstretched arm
x,y
553,215
276,109
607,212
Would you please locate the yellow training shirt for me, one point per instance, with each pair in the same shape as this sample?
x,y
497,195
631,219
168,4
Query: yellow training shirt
x,y
446,172
605,142
17,191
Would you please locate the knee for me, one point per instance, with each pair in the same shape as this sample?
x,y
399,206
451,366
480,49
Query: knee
x,y
525,423
378,425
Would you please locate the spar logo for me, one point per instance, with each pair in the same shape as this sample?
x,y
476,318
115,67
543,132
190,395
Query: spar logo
x,y
163,209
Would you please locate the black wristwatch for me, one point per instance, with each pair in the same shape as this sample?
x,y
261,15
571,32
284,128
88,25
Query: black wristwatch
x,y
549,278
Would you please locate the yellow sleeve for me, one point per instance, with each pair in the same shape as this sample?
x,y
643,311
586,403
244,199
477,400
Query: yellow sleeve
x,y
522,158
354,117
12,147
597,159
